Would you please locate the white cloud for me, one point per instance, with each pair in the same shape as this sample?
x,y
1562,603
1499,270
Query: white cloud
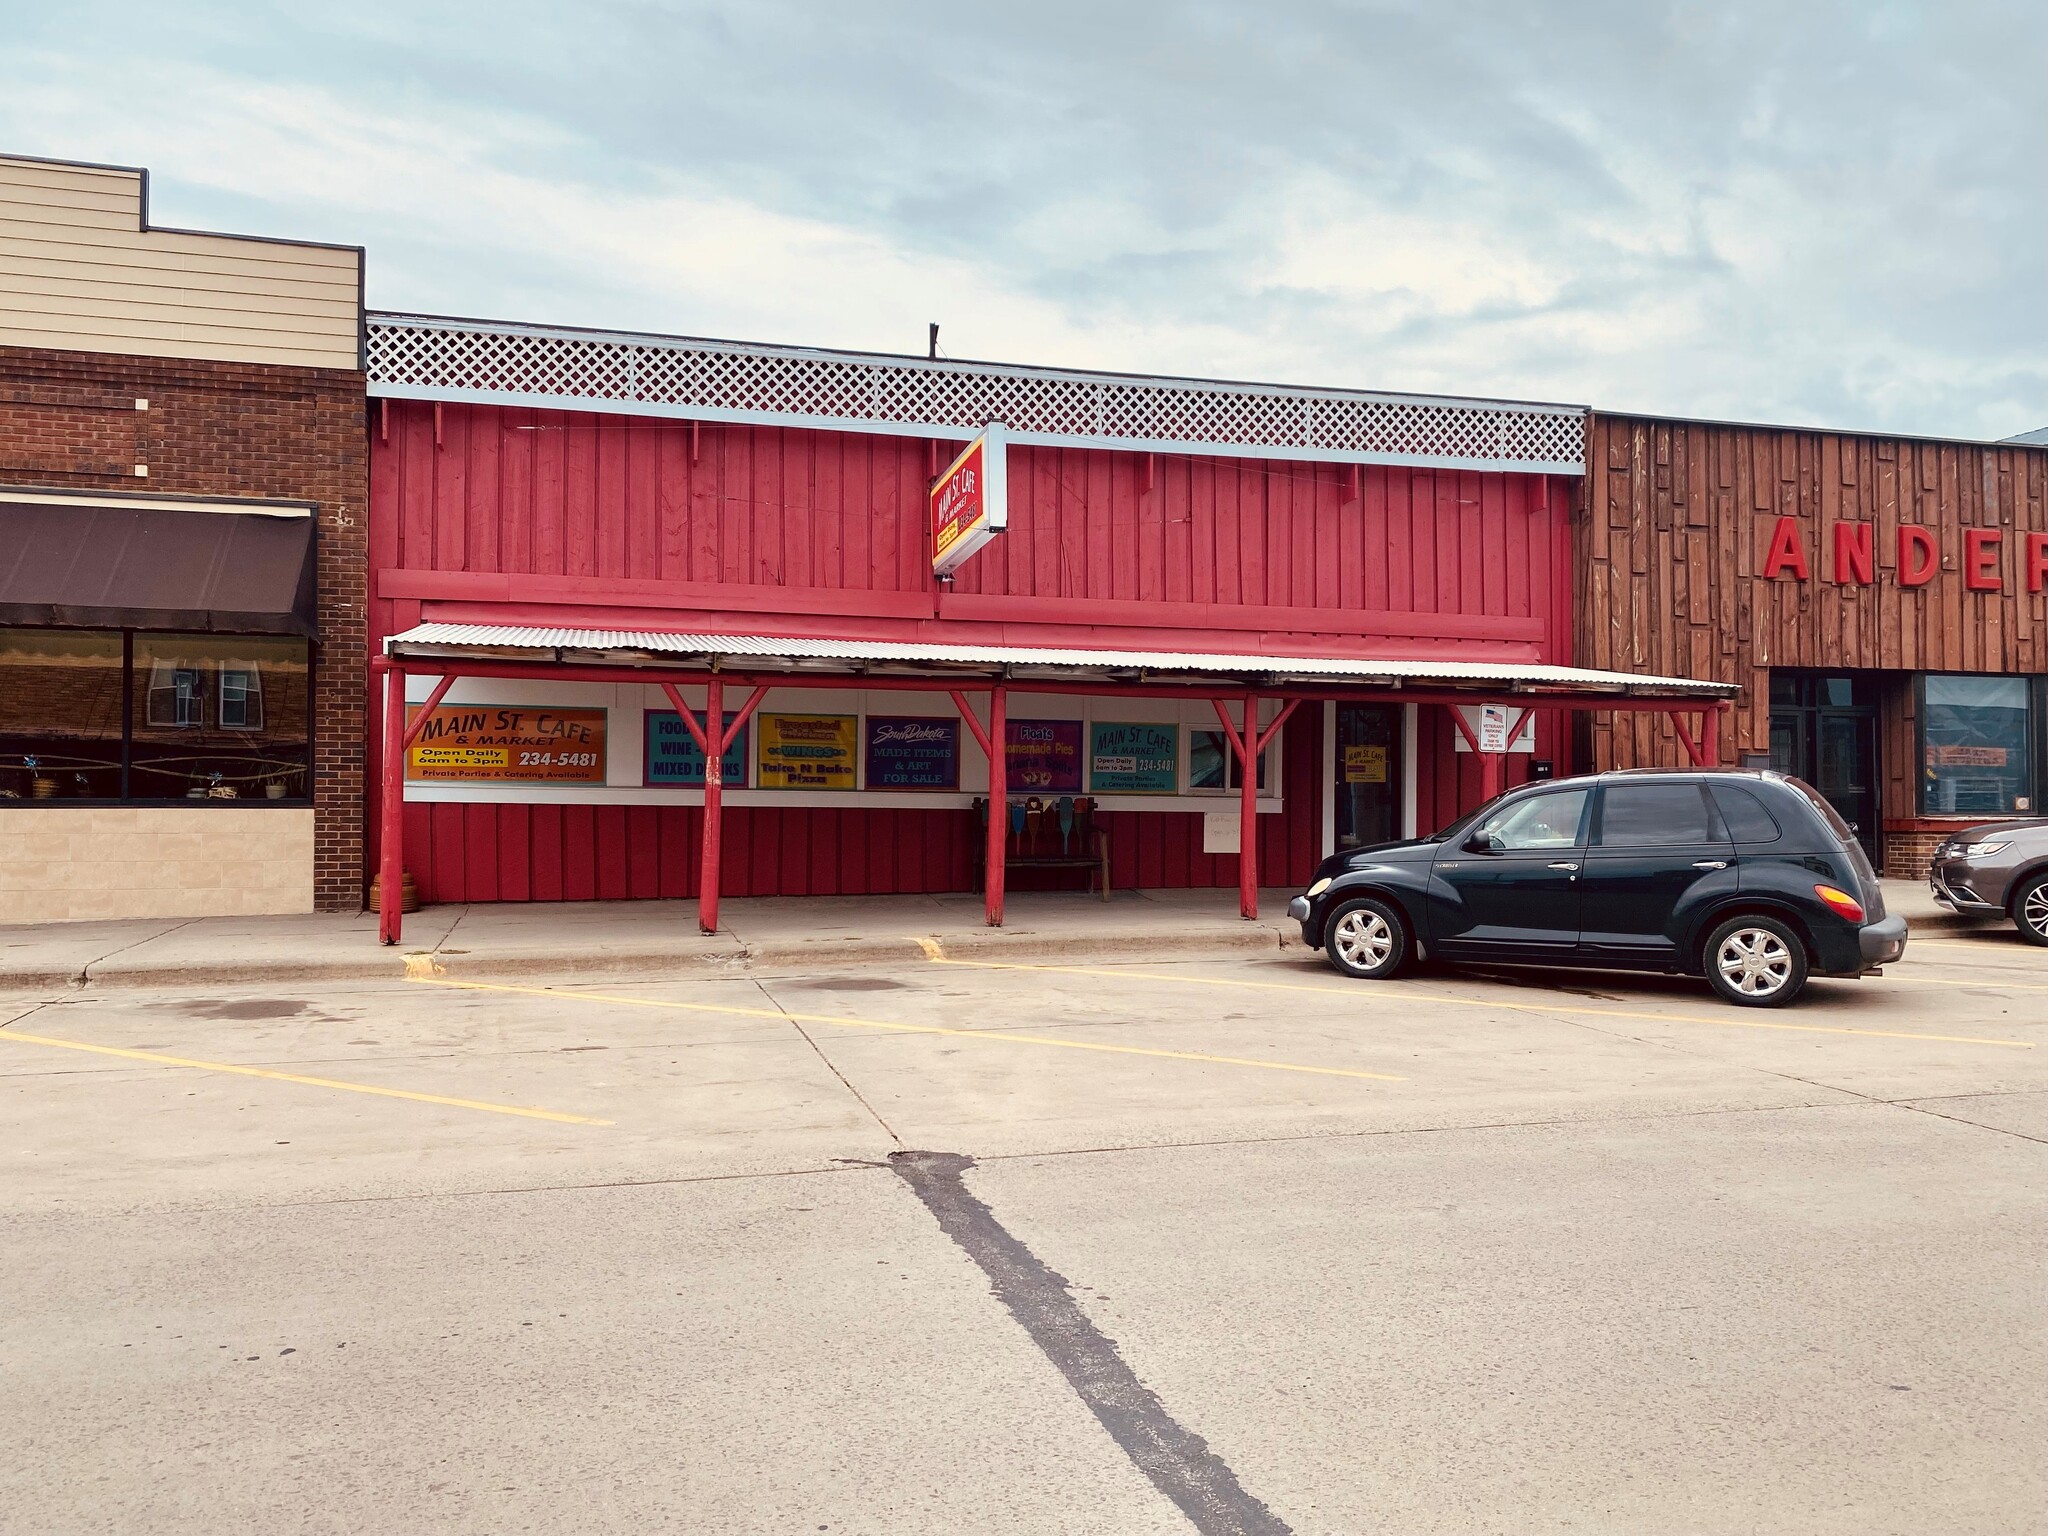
x,y
1668,208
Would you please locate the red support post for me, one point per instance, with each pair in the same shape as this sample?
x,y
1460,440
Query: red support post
x,y
1248,812
998,808
714,803
1710,734
1266,738
419,721
1490,765
1246,746
973,721
714,737
391,818
689,717
739,721
1693,753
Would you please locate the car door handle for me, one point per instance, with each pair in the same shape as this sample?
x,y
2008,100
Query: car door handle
x,y
1564,864
1709,863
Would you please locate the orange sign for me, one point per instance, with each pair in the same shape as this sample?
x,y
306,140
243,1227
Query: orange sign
x,y
1944,756
507,744
970,501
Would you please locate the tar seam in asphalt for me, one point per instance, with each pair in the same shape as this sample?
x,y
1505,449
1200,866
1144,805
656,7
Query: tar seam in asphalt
x,y
1177,1460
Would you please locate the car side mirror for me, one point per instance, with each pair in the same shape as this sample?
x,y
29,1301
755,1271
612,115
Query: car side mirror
x,y
1484,842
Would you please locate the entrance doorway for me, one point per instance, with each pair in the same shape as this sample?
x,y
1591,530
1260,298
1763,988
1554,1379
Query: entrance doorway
x,y
1368,767
1824,730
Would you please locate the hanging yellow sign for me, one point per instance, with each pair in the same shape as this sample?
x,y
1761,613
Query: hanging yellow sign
x,y
807,752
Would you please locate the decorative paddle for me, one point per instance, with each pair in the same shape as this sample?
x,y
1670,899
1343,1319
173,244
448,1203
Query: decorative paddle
x,y
1066,822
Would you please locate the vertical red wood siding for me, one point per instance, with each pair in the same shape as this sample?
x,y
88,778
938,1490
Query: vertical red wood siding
x,y
759,511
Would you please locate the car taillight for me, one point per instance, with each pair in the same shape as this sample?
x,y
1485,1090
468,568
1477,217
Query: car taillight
x,y
1840,902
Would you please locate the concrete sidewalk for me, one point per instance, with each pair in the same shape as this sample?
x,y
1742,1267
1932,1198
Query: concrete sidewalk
x,y
575,940
638,938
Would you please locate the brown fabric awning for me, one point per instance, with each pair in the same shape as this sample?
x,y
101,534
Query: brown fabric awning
x,y
128,567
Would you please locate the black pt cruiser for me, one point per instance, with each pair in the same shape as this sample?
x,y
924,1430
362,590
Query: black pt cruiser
x,y
1748,878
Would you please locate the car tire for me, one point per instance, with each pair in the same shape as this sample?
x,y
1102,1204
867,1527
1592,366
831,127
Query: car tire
x,y
1755,961
1367,938
2030,910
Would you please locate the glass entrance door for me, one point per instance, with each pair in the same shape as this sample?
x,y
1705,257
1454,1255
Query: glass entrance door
x,y
1824,730
1368,774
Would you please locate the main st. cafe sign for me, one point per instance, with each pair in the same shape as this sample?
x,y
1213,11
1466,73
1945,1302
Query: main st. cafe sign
x,y
970,502
1919,556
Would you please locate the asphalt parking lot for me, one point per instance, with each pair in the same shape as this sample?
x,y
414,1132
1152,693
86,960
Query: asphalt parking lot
x,y
1221,1244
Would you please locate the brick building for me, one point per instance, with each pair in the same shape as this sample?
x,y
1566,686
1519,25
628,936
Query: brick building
x,y
182,485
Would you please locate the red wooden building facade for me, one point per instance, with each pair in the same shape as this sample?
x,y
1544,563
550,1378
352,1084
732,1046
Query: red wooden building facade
x,y
622,486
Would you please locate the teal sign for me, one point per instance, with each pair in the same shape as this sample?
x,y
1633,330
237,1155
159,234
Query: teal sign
x,y
673,756
1133,759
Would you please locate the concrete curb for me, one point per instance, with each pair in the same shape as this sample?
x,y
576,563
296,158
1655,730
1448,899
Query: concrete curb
x,y
374,963
729,956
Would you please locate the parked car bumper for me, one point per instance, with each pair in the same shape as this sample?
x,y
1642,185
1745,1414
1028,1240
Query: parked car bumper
x,y
1311,931
1961,887
1882,941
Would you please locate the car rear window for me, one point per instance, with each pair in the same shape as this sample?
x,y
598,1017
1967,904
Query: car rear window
x,y
1747,819
1654,815
1844,833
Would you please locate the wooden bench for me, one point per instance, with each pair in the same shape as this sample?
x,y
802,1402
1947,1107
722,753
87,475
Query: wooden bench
x,y
1039,842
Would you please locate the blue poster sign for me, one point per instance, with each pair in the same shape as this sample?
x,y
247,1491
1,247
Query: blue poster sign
x,y
909,752
1131,758
673,756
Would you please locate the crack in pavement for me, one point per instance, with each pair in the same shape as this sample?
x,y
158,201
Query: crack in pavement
x,y
1176,1460
84,977
1913,1104
830,1066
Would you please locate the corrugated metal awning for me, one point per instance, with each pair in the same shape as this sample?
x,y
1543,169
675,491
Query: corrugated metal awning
x,y
107,563
953,661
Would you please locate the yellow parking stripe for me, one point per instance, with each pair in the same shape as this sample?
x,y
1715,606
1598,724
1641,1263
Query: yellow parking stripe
x,y
1003,1036
294,1077
1449,1000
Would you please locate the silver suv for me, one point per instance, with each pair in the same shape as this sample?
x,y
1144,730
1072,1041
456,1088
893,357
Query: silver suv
x,y
1997,870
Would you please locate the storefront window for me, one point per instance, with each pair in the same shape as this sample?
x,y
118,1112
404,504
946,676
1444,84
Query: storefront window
x,y
96,715
1212,764
220,717
1976,736
60,714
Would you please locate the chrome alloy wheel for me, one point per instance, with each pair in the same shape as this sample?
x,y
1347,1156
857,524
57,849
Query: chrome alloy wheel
x,y
1754,962
1364,939
2034,910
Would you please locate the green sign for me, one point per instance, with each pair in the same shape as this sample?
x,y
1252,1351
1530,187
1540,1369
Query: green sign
x,y
1133,758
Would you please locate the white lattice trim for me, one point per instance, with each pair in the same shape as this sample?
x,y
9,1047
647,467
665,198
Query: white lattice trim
x,y
433,358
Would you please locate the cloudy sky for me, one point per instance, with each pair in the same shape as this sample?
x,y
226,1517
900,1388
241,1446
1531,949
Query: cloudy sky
x,y
1793,211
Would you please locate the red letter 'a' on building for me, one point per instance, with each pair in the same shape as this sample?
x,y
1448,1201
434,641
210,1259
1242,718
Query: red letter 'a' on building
x,y
1853,558
1980,559
1785,555
2037,561
1917,557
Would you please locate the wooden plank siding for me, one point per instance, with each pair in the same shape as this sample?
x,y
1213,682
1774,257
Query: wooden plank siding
x,y
1674,534
81,270
517,515
1095,538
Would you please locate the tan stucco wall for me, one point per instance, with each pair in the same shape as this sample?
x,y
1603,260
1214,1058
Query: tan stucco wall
x,y
153,861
